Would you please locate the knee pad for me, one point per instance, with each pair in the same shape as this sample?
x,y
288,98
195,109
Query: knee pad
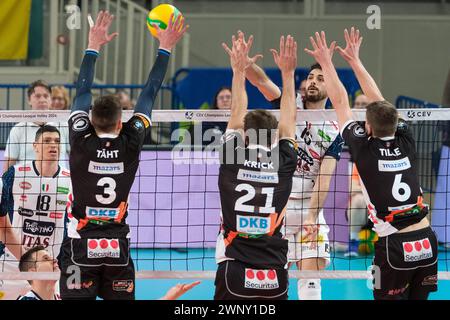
x,y
309,289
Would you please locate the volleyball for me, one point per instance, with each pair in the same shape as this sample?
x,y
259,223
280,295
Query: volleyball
x,y
367,239
160,15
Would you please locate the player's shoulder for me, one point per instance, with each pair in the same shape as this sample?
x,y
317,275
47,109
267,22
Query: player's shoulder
x,y
353,128
289,143
138,122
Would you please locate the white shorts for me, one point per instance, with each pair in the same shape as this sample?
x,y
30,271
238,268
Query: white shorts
x,y
11,289
297,211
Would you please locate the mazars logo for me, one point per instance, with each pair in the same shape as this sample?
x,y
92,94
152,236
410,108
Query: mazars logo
x,y
103,248
110,213
106,168
255,176
417,250
253,225
261,279
25,185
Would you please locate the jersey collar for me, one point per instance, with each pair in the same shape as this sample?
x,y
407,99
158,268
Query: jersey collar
x,y
257,146
387,138
39,174
108,135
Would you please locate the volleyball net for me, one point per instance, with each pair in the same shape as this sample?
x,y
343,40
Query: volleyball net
x,y
174,204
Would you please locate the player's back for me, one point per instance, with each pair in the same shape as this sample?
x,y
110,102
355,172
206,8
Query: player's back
x,y
388,171
104,167
255,183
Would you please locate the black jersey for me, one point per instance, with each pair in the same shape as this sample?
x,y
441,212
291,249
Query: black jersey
x,y
388,171
254,184
104,168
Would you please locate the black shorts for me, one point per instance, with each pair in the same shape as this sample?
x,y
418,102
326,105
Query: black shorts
x,y
92,268
236,281
405,265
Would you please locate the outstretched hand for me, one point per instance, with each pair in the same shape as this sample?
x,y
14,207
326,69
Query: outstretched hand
x,y
169,37
286,59
178,290
239,53
321,52
98,33
353,43
310,233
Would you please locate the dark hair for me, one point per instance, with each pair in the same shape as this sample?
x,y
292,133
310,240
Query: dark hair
x,y
38,83
106,112
45,128
27,261
260,120
214,104
315,66
382,117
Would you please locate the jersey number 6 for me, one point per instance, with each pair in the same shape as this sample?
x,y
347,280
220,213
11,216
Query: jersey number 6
x,y
399,185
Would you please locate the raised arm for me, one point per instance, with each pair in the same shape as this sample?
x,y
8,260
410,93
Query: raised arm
x,y
335,89
167,40
98,36
239,63
257,77
286,60
351,55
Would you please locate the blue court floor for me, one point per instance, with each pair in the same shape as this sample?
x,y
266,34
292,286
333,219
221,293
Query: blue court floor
x,y
203,259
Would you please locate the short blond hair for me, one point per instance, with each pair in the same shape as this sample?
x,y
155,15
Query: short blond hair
x,y
65,93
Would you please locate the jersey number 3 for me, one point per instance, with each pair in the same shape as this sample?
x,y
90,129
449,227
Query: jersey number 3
x,y
109,193
251,193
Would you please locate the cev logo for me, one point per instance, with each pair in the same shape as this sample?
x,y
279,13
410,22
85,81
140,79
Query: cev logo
x,y
110,213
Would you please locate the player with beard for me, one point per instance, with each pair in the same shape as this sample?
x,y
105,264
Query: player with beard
x,y
320,146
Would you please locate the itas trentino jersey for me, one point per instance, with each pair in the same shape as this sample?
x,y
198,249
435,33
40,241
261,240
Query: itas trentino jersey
x,y
388,171
36,205
31,295
103,170
315,141
254,184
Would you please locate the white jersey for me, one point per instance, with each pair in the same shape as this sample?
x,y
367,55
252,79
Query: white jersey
x,y
21,139
31,295
36,206
315,140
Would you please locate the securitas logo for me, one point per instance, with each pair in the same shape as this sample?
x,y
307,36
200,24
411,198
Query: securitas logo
x,y
418,114
109,213
103,248
261,279
417,250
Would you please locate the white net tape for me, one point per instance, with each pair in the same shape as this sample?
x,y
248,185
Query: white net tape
x,y
161,116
